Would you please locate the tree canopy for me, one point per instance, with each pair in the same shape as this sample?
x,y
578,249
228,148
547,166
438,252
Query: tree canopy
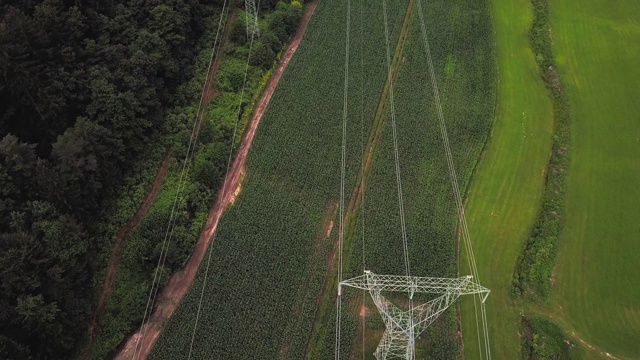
x,y
83,86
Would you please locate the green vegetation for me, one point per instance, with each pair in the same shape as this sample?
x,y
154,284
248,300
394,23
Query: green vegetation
x,y
544,340
126,305
269,257
94,94
596,288
594,298
506,189
457,30
85,95
102,92
532,277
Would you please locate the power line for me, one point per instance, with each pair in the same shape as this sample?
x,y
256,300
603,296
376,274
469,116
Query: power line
x,y
454,180
466,244
181,183
403,225
252,35
342,181
363,160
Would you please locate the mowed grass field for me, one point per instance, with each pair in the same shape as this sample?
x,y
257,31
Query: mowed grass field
x,y
597,46
504,195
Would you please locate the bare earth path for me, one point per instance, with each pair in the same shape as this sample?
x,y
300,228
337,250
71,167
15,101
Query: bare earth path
x,y
121,239
124,233
180,282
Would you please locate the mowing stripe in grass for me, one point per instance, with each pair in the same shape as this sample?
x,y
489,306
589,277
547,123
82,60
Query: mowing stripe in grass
x,y
505,193
597,288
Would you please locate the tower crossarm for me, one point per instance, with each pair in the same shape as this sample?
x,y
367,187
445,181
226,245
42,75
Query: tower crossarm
x,y
413,284
402,326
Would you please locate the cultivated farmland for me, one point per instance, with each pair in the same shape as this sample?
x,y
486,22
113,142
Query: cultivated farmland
x,y
597,291
461,47
277,231
271,251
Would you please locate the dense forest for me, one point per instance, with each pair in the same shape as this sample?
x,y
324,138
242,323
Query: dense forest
x,y
84,87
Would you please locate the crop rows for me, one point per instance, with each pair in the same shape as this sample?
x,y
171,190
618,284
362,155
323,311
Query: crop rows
x,y
270,253
460,40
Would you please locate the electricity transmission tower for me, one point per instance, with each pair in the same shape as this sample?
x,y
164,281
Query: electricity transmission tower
x,y
403,326
251,18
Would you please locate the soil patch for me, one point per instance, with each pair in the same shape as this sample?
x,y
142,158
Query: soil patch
x,y
236,192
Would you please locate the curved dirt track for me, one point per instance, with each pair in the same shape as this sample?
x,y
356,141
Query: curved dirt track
x,y
121,239
169,299
124,233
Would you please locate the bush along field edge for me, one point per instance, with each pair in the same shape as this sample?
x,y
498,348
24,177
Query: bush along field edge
x,y
544,339
533,276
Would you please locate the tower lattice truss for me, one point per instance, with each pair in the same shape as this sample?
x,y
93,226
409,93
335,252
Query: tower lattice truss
x,y
251,18
403,326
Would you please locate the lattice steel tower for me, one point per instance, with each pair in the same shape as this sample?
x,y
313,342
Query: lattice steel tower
x,y
251,18
403,326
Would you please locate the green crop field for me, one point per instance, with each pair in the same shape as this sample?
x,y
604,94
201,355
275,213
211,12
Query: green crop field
x,y
462,50
505,192
271,253
597,290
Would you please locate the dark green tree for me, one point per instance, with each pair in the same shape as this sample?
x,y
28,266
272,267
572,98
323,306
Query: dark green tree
x,y
262,55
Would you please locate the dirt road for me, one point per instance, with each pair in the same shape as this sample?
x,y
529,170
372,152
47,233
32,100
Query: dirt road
x,y
180,282
208,94
121,239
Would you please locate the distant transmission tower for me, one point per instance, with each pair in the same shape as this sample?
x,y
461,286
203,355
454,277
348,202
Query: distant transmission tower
x,y
251,13
403,326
